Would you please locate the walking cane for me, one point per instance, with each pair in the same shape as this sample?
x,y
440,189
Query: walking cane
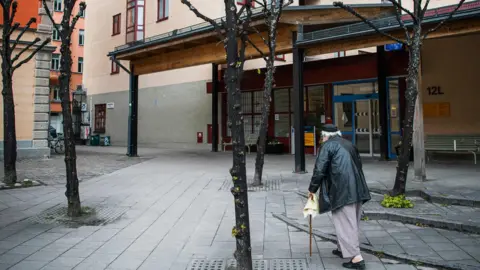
x,y
310,221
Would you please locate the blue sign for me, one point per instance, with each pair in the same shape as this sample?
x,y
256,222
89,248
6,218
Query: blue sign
x,y
393,47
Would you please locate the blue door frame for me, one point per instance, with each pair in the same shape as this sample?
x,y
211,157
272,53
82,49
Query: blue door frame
x,y
353,98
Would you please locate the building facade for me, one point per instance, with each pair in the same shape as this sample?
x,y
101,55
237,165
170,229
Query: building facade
x,y
31,86
175,105
77,45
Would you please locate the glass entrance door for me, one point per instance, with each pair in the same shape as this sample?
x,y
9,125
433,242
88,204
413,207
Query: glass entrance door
x,y
357,117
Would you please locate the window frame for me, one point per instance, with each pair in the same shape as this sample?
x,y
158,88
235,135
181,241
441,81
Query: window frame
x,y
117,28
114,69
82,15
136,28
80,64
81,37
56,89
57,3
165,4
57,57
100,114
57,36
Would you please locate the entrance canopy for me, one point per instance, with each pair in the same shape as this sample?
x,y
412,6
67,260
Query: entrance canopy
x,y
199,44
359,35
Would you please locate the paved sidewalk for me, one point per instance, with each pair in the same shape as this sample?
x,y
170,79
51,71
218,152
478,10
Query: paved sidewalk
x,y
167,213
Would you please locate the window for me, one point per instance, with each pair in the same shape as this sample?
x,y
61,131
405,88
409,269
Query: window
x,y
80,64
55,62
280,57
56,93
115,68
55,33
82,13
57,5
243,2
100,117
135,20
116,24
81,37
339,54
162,10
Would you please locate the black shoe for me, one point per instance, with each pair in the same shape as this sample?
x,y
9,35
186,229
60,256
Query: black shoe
x,y
337,252
358,265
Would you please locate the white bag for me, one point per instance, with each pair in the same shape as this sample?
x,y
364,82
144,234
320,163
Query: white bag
x,y
311,208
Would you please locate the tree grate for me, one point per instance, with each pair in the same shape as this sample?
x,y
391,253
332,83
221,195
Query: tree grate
x,y
96,216
231,264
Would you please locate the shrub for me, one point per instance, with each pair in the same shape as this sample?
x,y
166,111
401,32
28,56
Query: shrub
x,y
396,202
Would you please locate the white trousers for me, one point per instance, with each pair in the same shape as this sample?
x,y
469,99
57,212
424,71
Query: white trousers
x,y
346,221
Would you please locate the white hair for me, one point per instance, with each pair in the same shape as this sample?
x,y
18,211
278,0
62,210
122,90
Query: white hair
x,y
331,134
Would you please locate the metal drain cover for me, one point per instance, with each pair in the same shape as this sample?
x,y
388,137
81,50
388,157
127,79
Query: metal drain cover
x,y
288,264
231,264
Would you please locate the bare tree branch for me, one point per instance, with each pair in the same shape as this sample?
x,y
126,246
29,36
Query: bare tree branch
x,y
256,48
83,6
399,19
445,20
49,14
197,13
20,35
368,22
398,6
40,47
260,35
425,8
14,12
14,27
25,49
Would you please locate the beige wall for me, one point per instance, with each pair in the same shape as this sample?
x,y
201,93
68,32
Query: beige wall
x,y
23,96
454,65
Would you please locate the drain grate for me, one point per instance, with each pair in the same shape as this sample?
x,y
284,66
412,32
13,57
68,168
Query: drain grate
x,y
203,264
269,183
288,264
231,264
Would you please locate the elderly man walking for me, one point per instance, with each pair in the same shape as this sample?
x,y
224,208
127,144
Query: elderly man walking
x,y
339,176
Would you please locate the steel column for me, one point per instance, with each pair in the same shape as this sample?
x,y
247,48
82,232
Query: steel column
x,y
214,107
298,107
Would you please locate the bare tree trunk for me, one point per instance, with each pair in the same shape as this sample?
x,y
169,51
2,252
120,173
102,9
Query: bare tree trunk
x,y
9,134
72,192
410,97
267,94
241,231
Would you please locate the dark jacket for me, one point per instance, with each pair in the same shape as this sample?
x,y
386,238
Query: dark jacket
x,y
339,176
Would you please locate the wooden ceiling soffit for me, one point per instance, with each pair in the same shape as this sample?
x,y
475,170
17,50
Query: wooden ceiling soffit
x,y
453,28
208,53
333,15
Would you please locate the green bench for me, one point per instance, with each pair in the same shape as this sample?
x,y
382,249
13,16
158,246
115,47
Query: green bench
x,y
458,144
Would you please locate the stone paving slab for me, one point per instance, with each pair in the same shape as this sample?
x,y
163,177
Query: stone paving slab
x,y
442,246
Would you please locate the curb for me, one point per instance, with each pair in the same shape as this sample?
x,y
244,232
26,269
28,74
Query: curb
x,y
432,222
375,251
428,196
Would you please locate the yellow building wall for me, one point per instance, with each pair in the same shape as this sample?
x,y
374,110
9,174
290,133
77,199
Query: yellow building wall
x,y
23,97
453,64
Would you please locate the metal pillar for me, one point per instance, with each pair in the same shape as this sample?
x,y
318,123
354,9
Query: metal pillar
x,y
298,55
383,102
214,107
133,115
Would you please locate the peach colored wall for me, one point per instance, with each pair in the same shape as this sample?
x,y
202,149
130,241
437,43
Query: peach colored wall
x,y
23,93
26,9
